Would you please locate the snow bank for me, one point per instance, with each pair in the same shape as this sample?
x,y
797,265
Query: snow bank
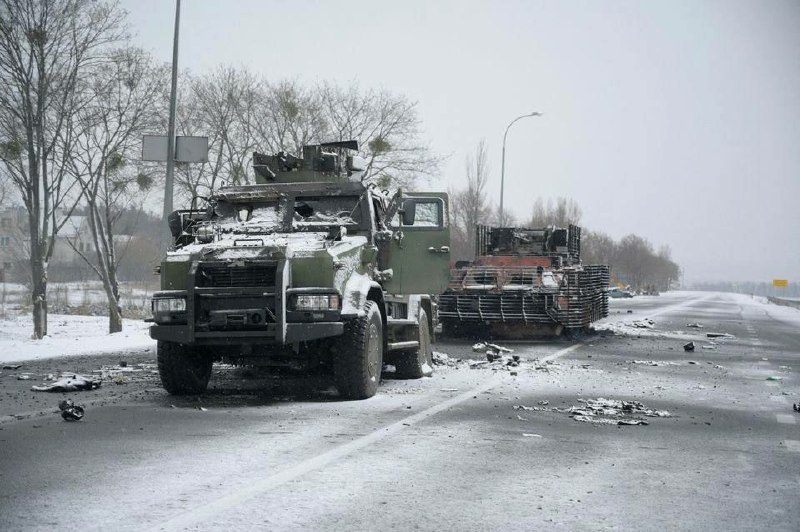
x,y
69,336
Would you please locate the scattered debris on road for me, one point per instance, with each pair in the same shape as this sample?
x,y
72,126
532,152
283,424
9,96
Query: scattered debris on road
x,y
23,377
689,347
70,411
774,378
652,362
709,346
70,382
719,335
603,411
441,359
12,366
646,323
694,325
485,346
796,407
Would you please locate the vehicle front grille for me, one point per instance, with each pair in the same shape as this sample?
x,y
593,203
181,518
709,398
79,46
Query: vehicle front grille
x,y
232,275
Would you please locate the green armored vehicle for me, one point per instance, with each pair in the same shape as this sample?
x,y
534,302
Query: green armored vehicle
x,y
309,269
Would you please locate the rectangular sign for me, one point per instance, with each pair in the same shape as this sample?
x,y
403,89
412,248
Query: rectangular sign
x,y
780,282
154,148
191,149
187,149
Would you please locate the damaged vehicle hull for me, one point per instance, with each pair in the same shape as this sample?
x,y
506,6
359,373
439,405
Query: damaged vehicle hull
x,y
524,283
307,275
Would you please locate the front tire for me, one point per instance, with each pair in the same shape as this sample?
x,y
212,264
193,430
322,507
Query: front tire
x,y
183,371
418,363
359,360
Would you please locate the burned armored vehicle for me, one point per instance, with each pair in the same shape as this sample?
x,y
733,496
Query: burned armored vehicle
x,y
524,282
308,269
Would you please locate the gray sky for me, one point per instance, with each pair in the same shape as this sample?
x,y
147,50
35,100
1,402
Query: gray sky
x,y
676,120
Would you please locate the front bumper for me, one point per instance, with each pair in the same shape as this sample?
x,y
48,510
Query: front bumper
x,y
295,332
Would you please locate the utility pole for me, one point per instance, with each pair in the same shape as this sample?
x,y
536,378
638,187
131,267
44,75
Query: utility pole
x,y
503,164
169,183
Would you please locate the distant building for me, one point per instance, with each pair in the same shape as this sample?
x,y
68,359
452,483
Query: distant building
x,y
13,242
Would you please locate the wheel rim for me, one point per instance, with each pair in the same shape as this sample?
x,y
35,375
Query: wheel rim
x,y
373,350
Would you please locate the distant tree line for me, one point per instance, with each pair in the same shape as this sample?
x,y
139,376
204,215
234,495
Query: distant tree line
x,y
76,98
633,259
762,288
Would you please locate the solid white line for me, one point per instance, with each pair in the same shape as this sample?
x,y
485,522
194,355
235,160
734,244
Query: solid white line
x,y
561,353
234,499
786,419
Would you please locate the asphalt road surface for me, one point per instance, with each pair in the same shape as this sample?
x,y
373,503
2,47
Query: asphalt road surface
x,y
483,448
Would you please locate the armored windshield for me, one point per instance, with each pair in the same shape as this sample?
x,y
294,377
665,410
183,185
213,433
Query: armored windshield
x,y
254,217
311,211
308,213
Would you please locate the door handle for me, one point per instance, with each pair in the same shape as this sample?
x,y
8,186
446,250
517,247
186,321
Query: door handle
x,y
443,249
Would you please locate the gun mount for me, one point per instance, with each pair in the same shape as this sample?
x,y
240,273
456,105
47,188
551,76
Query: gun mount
x,y
329,161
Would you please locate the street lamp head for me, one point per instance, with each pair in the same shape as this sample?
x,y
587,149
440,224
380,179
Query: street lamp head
x,y
535,113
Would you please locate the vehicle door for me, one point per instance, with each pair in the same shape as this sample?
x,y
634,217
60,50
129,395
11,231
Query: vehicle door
x,y
420,252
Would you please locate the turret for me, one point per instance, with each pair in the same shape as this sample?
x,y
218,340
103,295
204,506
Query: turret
x,y
329,161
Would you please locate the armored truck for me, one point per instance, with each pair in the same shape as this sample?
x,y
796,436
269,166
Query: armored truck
x,y
308,269
524,282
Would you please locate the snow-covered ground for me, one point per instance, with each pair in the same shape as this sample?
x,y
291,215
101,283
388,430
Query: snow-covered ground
x,y
76,294
69,335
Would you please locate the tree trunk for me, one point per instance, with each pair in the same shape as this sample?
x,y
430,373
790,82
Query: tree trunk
x,y
114,317
39,299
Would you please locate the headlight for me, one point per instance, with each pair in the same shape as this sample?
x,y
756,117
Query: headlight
x,y
165,305
315,302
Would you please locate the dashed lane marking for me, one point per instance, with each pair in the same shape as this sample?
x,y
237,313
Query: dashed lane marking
x,y
792,445
205,511
786,419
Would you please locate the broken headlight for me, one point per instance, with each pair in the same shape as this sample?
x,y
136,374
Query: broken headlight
x,y
169,309
310,302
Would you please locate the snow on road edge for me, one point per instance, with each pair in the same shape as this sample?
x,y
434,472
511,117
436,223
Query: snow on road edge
x,y
69,336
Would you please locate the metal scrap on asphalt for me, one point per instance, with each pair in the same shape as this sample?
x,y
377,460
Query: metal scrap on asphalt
x,y
70,382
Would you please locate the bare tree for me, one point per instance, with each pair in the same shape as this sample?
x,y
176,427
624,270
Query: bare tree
x,y
561,212
469,205
288,116
221,106
387,128
107,132
45,48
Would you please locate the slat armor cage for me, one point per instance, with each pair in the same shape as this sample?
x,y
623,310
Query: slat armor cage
x,y
532,278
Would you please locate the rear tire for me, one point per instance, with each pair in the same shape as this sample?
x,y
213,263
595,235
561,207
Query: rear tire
x,y
419,362
359,359
183,371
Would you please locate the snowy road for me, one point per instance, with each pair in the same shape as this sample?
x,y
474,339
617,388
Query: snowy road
x,y
445,453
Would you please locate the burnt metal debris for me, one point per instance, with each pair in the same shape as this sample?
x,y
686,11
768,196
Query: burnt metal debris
x,y
525,282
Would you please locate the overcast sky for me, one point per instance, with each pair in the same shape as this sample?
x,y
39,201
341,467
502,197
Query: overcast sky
x,y
679,121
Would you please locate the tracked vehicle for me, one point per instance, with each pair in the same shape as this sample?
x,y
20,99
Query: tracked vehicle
x,y
308,269
523,283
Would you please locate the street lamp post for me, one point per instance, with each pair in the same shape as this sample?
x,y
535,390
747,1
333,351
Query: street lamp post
x,y
169,183
503,164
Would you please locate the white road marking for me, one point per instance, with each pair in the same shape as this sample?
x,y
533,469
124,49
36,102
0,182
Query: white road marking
x,y
778,399
561,353
233,499
786,419
792,445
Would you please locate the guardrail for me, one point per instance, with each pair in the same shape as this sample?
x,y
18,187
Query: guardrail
x,y
784,302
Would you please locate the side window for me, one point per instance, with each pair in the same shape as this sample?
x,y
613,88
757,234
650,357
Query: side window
x,y
428,213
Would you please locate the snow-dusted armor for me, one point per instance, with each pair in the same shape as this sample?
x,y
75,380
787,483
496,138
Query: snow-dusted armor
x,y
308,269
